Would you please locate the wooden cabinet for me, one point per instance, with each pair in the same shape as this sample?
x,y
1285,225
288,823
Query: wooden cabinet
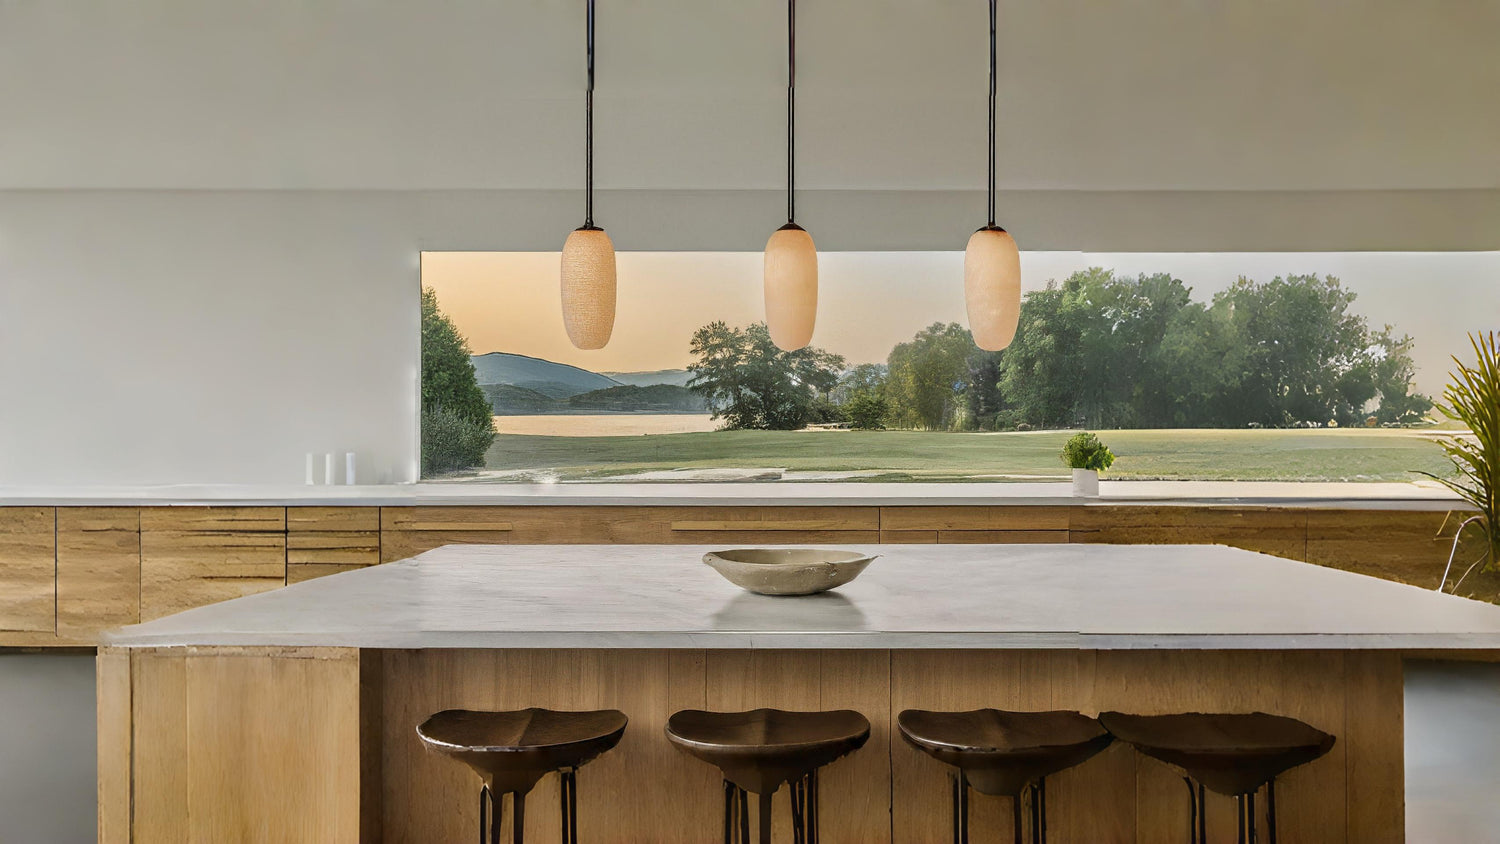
x,y
328,540
67,573
191,556
98,569
28,569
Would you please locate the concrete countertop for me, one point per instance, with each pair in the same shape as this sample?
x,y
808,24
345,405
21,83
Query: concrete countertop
x,y
1395,496
1179,597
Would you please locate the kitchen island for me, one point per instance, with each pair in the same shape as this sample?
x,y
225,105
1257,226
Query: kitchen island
x,y
290,715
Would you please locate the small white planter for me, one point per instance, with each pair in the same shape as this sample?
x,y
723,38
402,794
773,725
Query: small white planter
x,y
1086,483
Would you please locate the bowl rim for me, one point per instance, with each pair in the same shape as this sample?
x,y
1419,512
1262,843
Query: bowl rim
x,y
856,557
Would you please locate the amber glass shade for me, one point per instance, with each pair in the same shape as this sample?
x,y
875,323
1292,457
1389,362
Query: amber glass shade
x,y
992,288
791,287
588,288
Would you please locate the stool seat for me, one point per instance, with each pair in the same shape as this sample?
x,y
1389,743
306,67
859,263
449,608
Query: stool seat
x,y
1232,754
1002,752
763,748
511,751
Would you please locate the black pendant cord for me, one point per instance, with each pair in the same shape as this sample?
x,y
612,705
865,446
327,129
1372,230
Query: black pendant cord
x,y
588,131
991,160
791,111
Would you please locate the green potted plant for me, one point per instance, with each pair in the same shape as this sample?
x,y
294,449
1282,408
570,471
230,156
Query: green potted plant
x,y
1473,399
1087,456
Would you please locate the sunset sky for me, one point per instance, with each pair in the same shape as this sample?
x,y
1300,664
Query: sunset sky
x,y
869,301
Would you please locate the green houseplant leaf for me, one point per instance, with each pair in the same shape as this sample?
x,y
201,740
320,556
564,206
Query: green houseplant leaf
x,y
1086,451
1473,399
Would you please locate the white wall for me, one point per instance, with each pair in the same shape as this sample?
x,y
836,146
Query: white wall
x,y
205,337
217,337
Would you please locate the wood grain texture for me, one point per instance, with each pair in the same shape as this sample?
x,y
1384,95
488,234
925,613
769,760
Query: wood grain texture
x,y
343,547
28,569
159,739
993,518
1278,531
276,732
319,519
113,703
209,706
298,572
98,569
193,556
1405,546
1373,747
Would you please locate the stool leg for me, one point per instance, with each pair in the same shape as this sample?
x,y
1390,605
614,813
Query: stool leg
x,y
568,792
812,807
1271,809
953,793
799,822
1239,811
1041,792
484,814
517,818
1015,816
763,803
729,802
1202,815
744,815
1036,814
1192,811
1250,815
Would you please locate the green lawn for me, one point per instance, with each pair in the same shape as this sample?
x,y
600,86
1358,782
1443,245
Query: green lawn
x,y
1262,455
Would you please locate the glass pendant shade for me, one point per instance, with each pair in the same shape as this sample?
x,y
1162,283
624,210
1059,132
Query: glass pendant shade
x,y
791,284
992,287
588,288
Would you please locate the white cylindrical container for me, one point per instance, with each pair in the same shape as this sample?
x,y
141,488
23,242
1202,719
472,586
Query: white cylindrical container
x,y
1086,483
328,472
310,479
349,468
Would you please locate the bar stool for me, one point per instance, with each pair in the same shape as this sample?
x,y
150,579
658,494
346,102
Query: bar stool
x,y
511,751
1004,754
1232,754
759,750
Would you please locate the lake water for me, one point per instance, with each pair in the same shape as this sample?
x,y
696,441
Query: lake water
x,y
606,424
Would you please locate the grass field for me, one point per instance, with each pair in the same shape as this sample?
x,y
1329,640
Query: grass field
x,y
1250,455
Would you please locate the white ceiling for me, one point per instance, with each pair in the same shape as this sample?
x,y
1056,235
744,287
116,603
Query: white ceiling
x,y
1305,95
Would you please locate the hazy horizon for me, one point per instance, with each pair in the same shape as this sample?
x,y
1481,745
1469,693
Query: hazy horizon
x,y
869,301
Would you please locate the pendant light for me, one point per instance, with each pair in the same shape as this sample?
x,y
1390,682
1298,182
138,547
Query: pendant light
x,y
791,271
992,265
588,256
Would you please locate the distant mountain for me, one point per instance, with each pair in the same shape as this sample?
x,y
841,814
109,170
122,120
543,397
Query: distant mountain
x,y
510,400
674,377
554,380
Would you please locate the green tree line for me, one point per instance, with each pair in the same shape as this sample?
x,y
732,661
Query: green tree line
x,y
1095,350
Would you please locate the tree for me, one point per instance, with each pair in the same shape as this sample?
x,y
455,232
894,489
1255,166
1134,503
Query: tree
x,y
448,379
457,427
928,375
860,393
1393,371
752,384
1299,354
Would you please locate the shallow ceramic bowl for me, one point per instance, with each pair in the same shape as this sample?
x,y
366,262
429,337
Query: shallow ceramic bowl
x,y
788,571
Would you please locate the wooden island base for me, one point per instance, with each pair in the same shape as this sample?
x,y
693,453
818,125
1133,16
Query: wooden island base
x,y
318,745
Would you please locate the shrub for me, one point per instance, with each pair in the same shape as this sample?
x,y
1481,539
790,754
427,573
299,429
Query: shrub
x,y
868,411
1085,451
451,441
1009,420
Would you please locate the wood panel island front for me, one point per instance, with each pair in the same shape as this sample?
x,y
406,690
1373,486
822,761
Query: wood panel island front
x,y
291,715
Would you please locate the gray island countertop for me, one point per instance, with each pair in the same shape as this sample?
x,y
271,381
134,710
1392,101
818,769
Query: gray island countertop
x,y
914,596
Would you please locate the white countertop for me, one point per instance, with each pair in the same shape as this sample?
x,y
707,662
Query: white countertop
x,y
914,596
1404,496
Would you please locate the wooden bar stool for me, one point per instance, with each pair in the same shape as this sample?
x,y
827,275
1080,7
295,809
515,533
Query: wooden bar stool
x,y
1232,754
511,751
1004,754
759,750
